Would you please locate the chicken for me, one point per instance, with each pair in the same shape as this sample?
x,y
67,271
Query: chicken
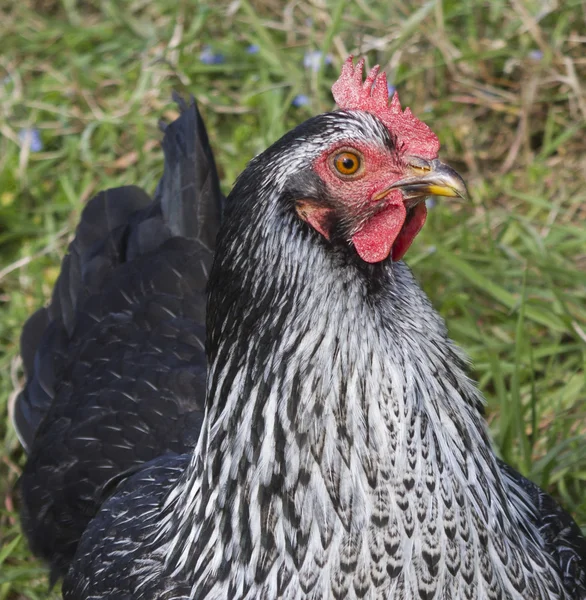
x,y
343,452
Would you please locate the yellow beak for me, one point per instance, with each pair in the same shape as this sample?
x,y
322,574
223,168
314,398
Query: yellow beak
x,y
435,179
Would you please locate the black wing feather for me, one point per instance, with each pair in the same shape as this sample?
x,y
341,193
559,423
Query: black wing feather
x,y
114,556
562,536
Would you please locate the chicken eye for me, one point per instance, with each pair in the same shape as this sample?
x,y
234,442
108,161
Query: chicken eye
x,y
346,163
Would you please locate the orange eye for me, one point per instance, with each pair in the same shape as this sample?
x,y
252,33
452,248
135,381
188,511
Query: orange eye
x,y
346,163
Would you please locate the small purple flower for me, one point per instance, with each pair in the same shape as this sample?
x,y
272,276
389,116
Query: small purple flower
x,y
208,57
391,89
32,138
312,60
300,100
253,49
430,203
536,55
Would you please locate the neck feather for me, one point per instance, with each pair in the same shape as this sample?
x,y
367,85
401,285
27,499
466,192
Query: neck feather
x,y
339,419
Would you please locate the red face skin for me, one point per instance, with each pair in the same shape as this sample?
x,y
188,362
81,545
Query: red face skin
x,y
382,227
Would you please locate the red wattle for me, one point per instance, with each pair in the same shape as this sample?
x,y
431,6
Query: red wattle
x,y
375,240
411,229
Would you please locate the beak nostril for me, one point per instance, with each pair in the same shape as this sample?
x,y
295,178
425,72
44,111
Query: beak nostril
x,y
420,165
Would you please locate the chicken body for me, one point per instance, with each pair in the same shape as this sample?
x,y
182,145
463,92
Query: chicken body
x,y
343,453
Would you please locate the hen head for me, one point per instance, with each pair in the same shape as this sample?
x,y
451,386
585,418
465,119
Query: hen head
x,y
376,166
355,178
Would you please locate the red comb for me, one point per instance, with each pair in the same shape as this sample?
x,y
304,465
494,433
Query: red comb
x,y
372,96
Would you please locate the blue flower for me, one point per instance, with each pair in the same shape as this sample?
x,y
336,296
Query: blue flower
x,y
536,55
32,138
300,100
208,57
312,60
430,203
253,49
391,89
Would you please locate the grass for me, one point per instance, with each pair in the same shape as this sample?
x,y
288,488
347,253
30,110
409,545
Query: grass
x,y
501,84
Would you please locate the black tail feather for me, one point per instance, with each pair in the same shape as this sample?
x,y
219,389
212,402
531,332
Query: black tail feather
x,y
45,334
190,172
116,226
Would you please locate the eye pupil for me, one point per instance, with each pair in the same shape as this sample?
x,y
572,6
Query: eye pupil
x,y
346,163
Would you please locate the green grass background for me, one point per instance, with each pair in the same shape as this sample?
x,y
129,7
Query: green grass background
x,y
503,83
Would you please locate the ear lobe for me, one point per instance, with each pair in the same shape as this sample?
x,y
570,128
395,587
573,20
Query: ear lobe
x,y
319,217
